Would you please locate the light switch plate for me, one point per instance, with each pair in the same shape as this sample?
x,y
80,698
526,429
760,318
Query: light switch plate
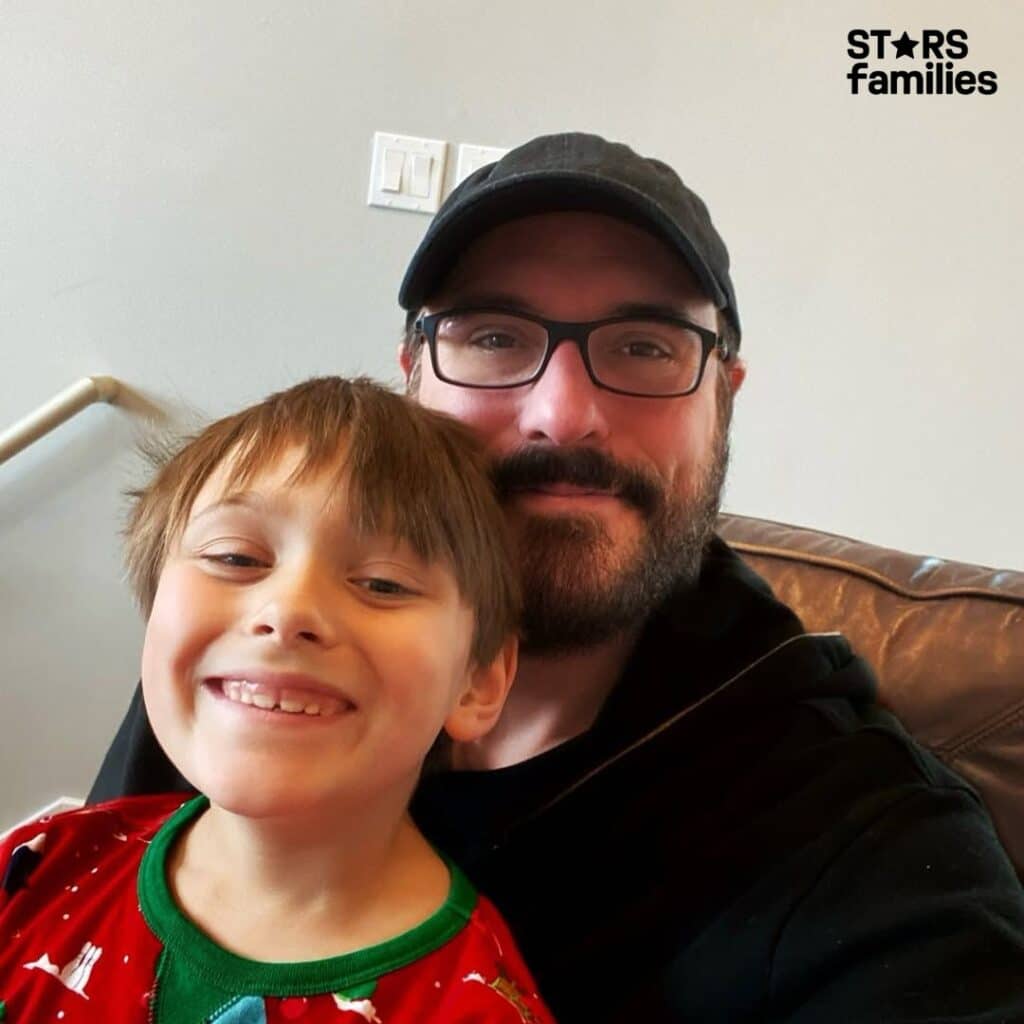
x,y
473,157
420,180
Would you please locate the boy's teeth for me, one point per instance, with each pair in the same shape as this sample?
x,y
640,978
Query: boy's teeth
x,y
268,699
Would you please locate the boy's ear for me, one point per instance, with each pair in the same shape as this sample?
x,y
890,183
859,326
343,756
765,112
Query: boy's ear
x,y
480,703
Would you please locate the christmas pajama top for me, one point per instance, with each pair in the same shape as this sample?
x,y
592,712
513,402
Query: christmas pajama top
x,y
89,932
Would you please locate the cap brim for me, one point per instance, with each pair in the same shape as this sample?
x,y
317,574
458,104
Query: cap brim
x,y
524,195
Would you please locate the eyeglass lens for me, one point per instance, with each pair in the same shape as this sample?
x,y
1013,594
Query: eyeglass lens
x,y
496,349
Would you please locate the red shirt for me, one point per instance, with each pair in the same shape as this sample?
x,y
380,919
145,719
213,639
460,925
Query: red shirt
x,y
89,932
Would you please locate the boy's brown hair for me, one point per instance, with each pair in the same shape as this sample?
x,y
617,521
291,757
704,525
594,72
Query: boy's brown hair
x,y
412,473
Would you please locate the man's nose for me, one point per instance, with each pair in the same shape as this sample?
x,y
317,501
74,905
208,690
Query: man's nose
x,y
297,608
564,406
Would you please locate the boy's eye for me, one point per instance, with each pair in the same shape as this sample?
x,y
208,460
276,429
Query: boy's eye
x,y
235,560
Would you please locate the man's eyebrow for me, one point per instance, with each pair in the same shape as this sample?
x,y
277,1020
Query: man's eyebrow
x,y
492,300
640,310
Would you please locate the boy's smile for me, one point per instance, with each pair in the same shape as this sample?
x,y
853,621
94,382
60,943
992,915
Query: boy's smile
x,y
291,662
274,691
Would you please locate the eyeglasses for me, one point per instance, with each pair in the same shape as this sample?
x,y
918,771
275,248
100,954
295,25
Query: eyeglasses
x,y
651,357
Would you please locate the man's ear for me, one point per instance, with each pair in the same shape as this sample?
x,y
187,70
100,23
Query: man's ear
x,y
737,371
405,360
479,706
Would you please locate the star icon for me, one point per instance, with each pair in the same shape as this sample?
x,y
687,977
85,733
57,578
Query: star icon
x,y
904,45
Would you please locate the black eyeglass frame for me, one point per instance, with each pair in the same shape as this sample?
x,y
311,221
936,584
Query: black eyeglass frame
x,y
577,332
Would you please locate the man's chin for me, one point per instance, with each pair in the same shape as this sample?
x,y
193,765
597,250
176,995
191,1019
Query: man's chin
x,y
586,579
589,577
578,582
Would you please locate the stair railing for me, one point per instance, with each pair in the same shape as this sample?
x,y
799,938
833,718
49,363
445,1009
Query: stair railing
x,y
56,411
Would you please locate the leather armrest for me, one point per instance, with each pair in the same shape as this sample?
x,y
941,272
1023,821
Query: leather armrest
x,y
946,640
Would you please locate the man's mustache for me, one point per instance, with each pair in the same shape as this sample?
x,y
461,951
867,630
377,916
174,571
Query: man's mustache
x,y
534,467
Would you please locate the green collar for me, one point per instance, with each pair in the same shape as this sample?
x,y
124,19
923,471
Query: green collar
x,y
351,973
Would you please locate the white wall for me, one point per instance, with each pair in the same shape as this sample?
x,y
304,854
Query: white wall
x,y
182,206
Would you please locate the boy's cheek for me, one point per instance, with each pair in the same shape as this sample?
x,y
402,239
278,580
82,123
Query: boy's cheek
x,y
184,619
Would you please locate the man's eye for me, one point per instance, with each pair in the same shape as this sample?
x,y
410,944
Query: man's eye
x,y
646,350
493,340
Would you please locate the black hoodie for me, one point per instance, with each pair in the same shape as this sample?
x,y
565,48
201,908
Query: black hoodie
x,y
742,836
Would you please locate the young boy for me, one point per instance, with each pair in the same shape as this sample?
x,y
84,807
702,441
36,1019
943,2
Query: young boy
x,y
327,589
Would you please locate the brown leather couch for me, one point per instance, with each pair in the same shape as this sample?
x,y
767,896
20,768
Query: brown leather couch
x,y
945,639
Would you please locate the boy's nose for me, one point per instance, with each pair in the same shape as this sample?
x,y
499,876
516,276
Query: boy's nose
x,y
564,406
297,612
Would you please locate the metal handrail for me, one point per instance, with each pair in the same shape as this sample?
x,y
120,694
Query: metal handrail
x,y
54,412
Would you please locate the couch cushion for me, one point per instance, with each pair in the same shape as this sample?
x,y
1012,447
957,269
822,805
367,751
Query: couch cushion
x,y
945,639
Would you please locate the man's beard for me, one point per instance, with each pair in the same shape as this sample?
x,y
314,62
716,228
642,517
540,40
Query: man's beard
x,y
578,589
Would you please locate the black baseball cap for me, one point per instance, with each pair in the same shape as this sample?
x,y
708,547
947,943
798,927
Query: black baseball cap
x,y
573,171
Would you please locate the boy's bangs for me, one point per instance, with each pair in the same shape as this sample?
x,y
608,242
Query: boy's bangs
x,y
389,487
399,479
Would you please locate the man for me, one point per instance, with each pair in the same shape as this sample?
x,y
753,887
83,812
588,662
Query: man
x,y
691,810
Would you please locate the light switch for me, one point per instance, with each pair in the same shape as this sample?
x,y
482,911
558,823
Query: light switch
x,y
419,177
407,172
473,157
391,173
